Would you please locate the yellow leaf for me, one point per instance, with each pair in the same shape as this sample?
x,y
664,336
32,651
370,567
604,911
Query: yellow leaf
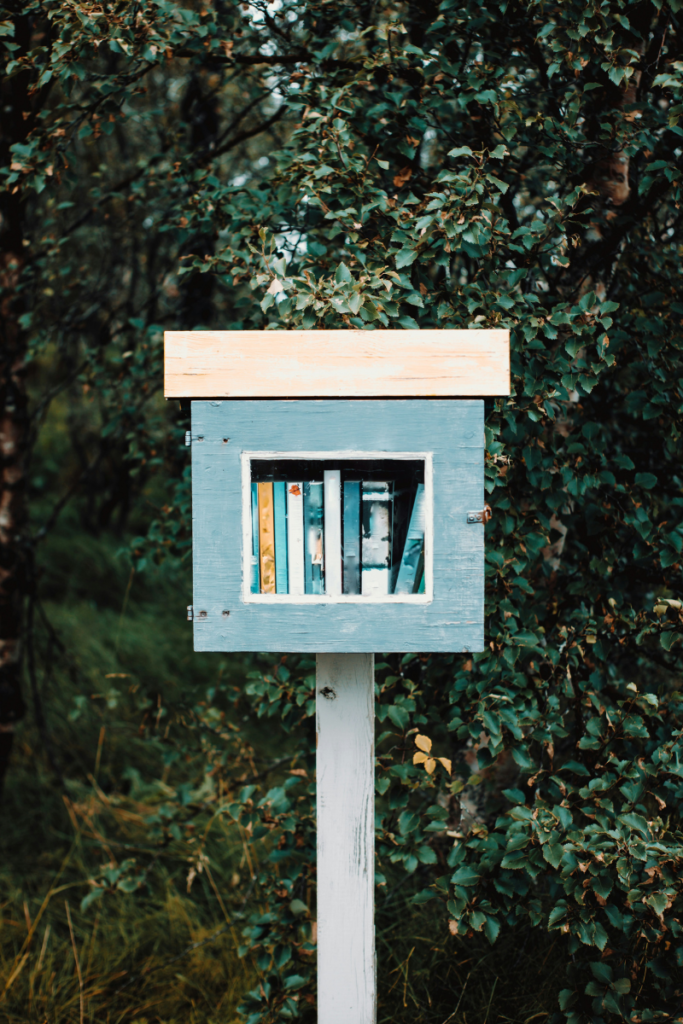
x,y
419,758
430,765
446,763
423,742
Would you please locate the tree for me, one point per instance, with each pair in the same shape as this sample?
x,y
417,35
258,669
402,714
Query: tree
x,y
88,283
446,165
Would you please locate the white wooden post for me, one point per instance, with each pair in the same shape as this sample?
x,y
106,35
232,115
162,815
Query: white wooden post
x,y
345,772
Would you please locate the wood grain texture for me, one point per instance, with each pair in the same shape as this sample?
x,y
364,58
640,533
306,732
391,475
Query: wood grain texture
x,y
345,779
336,364
453,432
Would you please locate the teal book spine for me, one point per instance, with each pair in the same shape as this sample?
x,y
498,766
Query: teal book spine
x,y
314,558
351,537
413,548
255,575
280,509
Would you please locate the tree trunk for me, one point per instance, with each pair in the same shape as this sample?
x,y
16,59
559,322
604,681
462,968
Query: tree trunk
x,y
15,117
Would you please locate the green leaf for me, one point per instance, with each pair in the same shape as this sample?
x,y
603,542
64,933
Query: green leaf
x,y
647,480
635,821
408,822
424,896
492,928
515,796
668,639
477,920
408,322
659,902
405,257
294,981
622,986
399,716
567,998
601,971
92,897
600,936
558,913
343,274
466,876
553,854
502,185
525,638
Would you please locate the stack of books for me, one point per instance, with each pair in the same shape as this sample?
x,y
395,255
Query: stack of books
x,y
338,535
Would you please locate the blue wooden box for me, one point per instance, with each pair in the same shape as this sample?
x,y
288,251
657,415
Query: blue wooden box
x,y
445,436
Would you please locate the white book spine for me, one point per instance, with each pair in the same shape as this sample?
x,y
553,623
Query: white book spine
x,y
333,537
376,540
295,537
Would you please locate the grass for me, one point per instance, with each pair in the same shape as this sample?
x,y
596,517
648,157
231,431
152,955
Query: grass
x,y
134,961
121,651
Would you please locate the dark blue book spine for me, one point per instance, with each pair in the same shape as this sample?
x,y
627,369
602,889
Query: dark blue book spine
x,y
351,538
280,510
412,561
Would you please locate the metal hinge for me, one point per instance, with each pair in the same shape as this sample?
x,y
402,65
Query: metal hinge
x,y
200,615
480,517
188,438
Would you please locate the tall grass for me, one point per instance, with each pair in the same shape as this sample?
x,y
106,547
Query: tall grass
x,y
121,650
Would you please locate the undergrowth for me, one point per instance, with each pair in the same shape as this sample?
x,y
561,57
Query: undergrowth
x,y
103,921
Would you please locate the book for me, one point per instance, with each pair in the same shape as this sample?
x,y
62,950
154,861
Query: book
x,y
313,537
407,578
332,527
401,510
255,581
376,538
280,516
266,536
420,588
295,537
351,537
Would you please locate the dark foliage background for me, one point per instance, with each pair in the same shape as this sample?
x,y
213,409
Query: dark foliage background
x,y
502,163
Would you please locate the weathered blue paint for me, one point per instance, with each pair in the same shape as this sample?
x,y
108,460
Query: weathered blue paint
x,y
452,430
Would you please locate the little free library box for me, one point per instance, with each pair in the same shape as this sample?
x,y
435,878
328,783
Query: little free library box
x,y
338,486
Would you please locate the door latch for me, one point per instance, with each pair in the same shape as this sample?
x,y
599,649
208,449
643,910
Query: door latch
x,y
480,517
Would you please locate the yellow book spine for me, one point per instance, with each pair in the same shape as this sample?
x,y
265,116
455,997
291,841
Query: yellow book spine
x,y
266,529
